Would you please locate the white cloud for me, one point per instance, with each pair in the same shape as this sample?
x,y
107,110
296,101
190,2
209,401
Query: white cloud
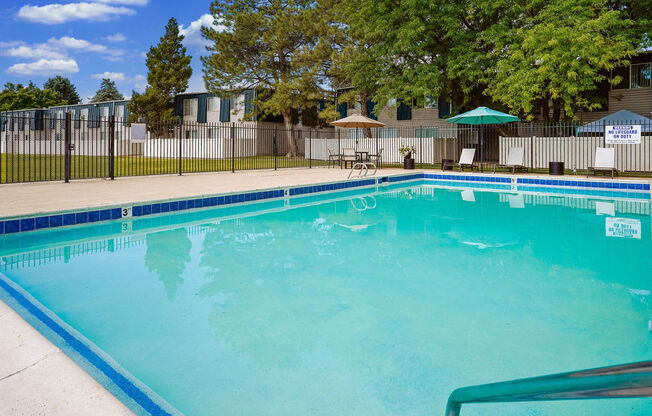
x,y
56,13
54,50
125,2
138,82
117,37
113,76
45,67
193,31
35,52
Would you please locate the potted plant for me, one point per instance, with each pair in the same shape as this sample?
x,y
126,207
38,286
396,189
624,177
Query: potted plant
x,y
407,152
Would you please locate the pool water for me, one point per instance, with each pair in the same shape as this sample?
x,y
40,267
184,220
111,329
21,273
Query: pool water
x,y
376,302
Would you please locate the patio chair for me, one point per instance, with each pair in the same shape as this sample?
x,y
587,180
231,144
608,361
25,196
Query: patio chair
x,y
348,155
514,160
333,157
604,162
377,159
466,160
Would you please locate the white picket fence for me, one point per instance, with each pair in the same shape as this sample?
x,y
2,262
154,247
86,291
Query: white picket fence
x,y
429,150
577,152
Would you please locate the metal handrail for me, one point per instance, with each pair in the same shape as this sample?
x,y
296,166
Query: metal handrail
x,y
365,166
620,381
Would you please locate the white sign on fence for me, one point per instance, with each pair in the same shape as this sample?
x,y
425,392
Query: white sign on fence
x,y
138,132
622,134
623,227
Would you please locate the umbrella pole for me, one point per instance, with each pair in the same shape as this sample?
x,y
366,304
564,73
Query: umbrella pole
x,y
482,144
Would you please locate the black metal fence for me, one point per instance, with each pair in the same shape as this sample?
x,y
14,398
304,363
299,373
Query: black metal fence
x,y
33,149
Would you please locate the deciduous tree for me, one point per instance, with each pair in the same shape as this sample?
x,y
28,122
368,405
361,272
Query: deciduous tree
x,y
18,97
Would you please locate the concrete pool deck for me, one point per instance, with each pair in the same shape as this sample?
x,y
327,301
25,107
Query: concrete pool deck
x,y
37,197
36,377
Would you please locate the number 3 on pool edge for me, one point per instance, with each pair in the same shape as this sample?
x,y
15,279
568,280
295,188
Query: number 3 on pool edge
x,y
126,212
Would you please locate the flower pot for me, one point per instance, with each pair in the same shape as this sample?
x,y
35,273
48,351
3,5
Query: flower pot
x,y
408,163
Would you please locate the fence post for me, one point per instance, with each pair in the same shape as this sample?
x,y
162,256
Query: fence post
x,y
112,147
421,147
531,146
339,147
274,150
180,149
67,148
310,148
232,147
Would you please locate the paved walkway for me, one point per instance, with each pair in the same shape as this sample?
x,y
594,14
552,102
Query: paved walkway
x,y
32,198
37,378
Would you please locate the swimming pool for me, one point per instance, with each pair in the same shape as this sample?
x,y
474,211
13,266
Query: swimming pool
x,y
379,300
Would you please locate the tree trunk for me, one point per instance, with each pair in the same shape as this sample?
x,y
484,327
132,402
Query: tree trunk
x,y
556,110
364,110
293,150
545,109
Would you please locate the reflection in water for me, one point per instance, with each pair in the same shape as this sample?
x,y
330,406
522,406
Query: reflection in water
x,y
167,254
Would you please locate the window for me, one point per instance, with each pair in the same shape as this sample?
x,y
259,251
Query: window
x,y
191,134
238,103
119,112
640,75
404,112
355,134
354,106
83,114
213,104
430,102
190,107
104,113
426,132
388,133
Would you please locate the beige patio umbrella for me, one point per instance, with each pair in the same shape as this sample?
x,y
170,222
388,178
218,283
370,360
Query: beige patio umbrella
x,y
356,121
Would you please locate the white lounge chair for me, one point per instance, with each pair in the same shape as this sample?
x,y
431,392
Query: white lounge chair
x,y
514,160
466,160
604,161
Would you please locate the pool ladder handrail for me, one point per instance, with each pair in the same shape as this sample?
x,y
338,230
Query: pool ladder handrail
x,y
362,165
619,381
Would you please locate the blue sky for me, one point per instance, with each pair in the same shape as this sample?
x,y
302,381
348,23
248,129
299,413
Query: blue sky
x,y
91,39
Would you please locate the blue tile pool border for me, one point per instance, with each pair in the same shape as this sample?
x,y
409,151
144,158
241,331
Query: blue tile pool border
x,y
131,392
42,221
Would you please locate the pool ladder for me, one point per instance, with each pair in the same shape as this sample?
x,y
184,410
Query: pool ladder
x,y
619,381
364,166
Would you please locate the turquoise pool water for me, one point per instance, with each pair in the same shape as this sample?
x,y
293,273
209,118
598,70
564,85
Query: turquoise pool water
x,y
354,303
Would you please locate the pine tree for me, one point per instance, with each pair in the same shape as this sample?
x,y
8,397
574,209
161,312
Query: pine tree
x,y
63,88
107,92
275,45
169,73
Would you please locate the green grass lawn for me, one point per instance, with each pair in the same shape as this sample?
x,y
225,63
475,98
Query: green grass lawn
x,y
15,168
32,168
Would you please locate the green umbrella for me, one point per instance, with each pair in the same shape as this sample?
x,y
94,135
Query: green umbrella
x,y
483,115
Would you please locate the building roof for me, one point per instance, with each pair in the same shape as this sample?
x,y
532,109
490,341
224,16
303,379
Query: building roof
x,y
618,118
